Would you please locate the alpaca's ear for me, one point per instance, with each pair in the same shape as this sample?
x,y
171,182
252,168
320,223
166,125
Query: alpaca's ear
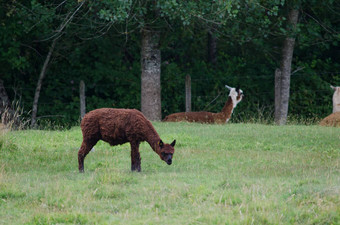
x,y
228,87
334,88
160,143
173,143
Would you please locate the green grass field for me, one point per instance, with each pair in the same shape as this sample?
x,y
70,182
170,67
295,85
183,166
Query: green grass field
x,y
230,174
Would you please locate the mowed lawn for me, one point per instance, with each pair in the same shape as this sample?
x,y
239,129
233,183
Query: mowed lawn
x,y
221,174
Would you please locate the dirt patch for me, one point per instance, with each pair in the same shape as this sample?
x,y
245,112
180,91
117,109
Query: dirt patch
x,y
332,120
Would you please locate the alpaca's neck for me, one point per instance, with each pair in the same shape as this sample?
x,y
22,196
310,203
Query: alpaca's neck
x,y
153,139
336,100
228,109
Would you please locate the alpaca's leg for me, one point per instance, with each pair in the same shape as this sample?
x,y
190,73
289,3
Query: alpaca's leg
x,y
135,156
85,148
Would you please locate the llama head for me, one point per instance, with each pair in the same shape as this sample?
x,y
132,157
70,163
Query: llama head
x,y
336,90
236,95
166,151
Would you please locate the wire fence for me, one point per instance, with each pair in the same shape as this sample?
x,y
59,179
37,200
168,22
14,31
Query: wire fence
x,y
206,94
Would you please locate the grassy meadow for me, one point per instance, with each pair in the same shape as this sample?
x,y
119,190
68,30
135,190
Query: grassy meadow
x,y
221,174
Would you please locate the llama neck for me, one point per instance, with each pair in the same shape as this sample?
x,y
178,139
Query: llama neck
x,y
228,109
336,100
153,139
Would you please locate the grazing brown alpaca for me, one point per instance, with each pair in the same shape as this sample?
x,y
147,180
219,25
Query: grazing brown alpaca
x,y
235,96
119,126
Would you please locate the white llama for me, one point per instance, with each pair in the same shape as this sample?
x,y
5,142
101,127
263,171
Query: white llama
x,y
336,99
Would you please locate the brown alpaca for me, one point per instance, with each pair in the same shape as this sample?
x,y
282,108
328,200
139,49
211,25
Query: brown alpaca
x,y
235,96
119,126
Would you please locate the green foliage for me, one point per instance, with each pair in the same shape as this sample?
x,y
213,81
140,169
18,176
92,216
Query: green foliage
x,y
102,47
143,13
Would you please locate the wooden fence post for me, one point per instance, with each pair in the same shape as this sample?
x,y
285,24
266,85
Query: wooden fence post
x,y
188,93
277,114
82,99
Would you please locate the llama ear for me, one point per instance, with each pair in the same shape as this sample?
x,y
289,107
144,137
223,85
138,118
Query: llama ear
x,y
173,143
160,143
228,87
334,88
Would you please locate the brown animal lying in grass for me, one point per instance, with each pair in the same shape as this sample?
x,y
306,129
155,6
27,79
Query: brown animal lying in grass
x,y
235,96
119,126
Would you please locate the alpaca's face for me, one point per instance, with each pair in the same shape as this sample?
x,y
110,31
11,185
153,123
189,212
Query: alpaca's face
x,y
167,151
236,94
336,92
240,95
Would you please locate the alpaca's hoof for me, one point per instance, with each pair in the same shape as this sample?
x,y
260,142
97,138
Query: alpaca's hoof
x,y
135,168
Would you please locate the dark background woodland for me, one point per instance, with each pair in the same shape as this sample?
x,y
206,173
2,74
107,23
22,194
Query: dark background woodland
x,y
101,45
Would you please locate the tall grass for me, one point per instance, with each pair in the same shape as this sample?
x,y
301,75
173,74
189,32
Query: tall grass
x,y
230,174
265,115
11,117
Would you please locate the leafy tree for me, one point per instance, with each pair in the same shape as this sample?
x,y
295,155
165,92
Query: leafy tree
x,y
102,46
154,19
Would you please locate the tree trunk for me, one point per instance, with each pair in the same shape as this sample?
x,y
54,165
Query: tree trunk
x,y
151,75
5,110
4,100
285,68
212,47
9,112
40,80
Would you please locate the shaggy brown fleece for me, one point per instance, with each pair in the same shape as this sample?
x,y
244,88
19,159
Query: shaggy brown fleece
x,y
332,120
119,126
